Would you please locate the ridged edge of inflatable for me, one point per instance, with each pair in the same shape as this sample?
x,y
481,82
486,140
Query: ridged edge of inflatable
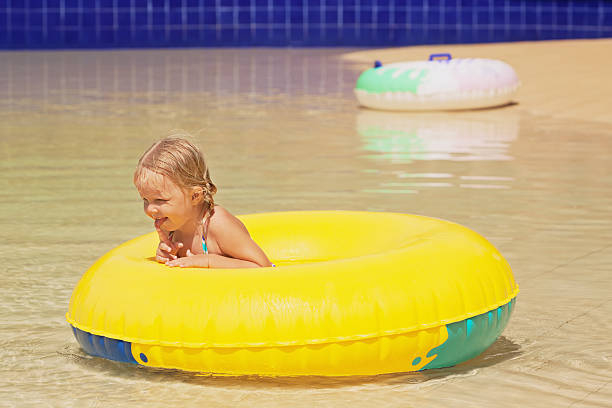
x,y
338,339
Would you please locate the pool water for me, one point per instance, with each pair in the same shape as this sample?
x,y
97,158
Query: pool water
x,y
281,131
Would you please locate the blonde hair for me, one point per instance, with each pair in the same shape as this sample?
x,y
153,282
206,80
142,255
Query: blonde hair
x,y
181,161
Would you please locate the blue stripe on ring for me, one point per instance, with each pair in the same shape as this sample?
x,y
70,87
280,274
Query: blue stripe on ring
x,y
106,347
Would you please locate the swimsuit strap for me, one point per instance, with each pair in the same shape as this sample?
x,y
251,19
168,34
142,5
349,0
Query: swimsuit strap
x,y
204,246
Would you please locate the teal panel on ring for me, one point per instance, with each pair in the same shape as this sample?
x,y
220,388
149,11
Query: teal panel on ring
x,y
470,337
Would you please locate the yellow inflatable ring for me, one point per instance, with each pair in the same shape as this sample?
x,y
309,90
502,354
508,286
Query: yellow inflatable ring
x,y
354,293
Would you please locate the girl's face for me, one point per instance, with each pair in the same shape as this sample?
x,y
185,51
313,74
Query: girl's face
x,y
171,206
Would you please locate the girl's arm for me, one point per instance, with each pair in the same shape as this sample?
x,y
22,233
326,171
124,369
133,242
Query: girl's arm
x,y
211,261
238,248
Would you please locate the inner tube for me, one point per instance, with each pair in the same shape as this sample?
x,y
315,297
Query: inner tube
x,y
353,293
437,84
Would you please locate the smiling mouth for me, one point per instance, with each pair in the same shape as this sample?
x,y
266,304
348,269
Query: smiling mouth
x,y
159,222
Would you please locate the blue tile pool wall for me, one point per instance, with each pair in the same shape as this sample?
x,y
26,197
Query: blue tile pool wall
x,y
39,24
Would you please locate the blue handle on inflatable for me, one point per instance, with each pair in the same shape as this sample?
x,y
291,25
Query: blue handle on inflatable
x,y
440,57
377,64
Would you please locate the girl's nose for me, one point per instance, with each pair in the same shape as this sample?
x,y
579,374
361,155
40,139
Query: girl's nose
x,y
150,210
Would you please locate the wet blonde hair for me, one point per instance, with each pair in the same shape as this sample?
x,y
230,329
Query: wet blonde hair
x,y
181,161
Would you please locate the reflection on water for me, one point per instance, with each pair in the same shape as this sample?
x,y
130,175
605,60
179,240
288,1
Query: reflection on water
x,y
401,138
43,80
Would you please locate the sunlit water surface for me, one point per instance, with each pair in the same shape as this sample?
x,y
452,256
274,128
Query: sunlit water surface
x,y
282,131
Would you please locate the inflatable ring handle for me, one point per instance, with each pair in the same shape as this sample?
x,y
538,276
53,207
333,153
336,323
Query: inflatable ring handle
x,y
440,57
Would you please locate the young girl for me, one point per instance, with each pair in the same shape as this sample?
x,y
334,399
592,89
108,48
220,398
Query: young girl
x,y
173,181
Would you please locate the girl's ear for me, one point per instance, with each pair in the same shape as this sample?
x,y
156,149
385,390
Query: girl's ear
x,y
197,195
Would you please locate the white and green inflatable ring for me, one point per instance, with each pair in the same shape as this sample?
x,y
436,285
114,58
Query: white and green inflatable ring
x,y
437,84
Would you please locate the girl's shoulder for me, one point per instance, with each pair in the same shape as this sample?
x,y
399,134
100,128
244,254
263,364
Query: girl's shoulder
x,y
220,214
223,220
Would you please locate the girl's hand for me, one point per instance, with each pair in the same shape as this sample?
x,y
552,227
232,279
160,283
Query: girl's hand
x,y
167,249
167,253
189,261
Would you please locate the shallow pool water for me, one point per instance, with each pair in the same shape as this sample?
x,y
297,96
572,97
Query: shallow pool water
x,y
282,131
